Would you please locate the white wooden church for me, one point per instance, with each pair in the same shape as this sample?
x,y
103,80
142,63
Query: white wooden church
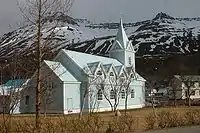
x,y
78,81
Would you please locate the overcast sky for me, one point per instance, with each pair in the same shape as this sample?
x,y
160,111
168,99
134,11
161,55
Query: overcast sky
x,y
109,10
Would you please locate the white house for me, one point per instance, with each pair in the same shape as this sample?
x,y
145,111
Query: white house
x,y
184,85
76,81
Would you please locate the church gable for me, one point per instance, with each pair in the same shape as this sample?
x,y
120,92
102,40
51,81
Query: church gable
x,y
130,47
123,73
100,72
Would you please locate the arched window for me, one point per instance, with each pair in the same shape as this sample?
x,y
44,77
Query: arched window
x,y
99,73
111,74
112,94
123,94
122,75
100,95
132,93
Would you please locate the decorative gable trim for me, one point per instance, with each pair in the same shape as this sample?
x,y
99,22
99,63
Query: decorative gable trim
x,y
130,47
101,67
114,70
123,70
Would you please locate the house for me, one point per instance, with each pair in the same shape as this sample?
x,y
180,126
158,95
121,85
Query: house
x,y
10,95
76,81
185,86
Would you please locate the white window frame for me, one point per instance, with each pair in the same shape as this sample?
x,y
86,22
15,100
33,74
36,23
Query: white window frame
x,y
123,94
132,93
99,95
112,94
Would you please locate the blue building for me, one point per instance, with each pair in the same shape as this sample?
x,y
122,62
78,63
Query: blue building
x,y
76,81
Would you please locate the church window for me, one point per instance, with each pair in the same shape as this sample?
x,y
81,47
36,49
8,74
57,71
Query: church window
x,y
100,95
99,73
132,93
122,75
111,74
129,61
27,100
123,94
112,94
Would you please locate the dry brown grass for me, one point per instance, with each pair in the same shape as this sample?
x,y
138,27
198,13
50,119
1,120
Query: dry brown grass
x,y
136,120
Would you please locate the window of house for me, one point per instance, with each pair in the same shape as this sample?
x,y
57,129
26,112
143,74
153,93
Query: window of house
x,y
112,94
122,75
129,61
99,73
132,93
123,94
100,95
27,100
111,74
132,75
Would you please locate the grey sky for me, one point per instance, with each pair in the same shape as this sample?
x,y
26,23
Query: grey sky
x,y
110,10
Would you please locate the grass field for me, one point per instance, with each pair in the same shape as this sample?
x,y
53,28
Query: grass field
x,y
52,123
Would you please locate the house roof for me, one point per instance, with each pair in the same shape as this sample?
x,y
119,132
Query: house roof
x,y
11,85
188,77
15,83
83,59
60,71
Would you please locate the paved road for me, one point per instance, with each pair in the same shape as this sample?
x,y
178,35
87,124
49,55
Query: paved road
x,y
195,129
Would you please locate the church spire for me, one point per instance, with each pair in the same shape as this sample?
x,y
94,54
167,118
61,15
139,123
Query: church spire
x,y
121,36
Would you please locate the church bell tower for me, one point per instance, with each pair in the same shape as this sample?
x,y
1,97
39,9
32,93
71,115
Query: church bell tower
x,y
122,49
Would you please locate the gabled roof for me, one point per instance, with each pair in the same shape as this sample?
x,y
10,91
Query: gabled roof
x,y
121,36
93,66
82,59
118,69
107,67
60,71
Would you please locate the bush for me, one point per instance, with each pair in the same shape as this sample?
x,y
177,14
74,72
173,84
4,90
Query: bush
x,y
121,124
169,119
192,117
88,124
150,121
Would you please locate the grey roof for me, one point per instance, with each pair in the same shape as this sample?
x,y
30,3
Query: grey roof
x,y
83,59
118,68
93,66
107,67
60,71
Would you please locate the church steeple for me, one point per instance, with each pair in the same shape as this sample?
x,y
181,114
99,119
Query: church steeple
x,y
121,36
122,49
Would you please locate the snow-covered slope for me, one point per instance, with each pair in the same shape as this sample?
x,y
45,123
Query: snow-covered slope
x,y
160,36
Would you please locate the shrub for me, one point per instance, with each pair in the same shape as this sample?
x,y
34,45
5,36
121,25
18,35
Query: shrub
x,y
192,117
121,124
169,119
150,121
88,124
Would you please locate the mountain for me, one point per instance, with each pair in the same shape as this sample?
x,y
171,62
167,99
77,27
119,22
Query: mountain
x,y
163,35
